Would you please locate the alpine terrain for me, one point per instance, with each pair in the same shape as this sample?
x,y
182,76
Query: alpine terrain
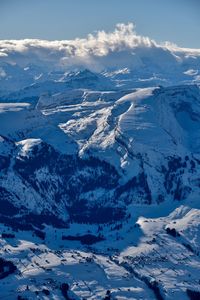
x,y
99,169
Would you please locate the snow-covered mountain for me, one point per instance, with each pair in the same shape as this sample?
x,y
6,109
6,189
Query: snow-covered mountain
x,y
123,57
99,168
101,150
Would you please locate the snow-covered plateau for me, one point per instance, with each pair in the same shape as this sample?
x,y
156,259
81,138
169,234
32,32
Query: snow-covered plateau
x,y
99,169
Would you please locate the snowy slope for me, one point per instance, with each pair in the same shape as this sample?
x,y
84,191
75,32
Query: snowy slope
x,y
99,169
138,260
142,145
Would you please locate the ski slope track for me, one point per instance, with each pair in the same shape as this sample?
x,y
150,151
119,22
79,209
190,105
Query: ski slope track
x,y
99,169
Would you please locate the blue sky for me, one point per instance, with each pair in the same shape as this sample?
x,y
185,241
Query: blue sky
x,y
177,21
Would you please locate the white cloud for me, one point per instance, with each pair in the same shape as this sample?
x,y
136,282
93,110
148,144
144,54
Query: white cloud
x,y
96,51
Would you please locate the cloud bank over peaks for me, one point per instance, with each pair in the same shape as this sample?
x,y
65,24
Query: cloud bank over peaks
x,y
122,48
78,51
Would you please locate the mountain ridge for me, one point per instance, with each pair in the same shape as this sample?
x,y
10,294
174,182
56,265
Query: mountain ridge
x,y
99,169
